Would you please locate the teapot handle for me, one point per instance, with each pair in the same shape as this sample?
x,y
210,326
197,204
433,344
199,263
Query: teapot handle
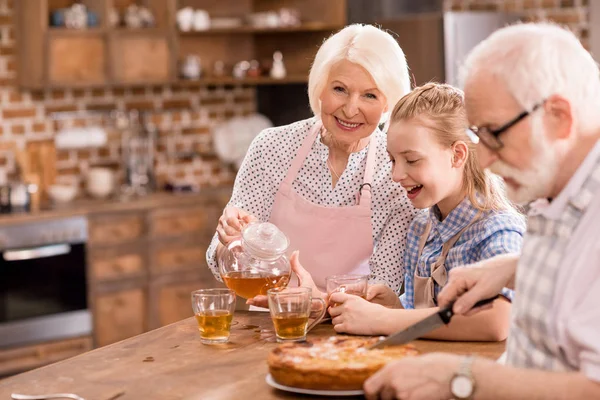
x,y
233,244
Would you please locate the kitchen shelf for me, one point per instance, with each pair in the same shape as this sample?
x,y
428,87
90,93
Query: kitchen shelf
x,y
119,56
307,27
64,32
229,80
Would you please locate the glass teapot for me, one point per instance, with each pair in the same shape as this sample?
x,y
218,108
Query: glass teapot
x,y
256,262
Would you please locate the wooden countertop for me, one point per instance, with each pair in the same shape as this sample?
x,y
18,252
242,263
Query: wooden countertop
x,y
92,206
171,363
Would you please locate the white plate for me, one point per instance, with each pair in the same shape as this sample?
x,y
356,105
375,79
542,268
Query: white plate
x,y
271,382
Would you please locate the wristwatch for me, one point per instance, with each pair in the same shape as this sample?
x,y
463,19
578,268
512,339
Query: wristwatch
x,y
462,384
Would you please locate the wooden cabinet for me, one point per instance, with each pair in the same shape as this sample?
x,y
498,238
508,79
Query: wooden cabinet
x,y
144,263
118,316
16,360
76,59
174,301
106,55
116,228
116,263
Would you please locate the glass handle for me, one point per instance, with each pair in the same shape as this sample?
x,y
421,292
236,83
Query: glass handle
x,y
321,314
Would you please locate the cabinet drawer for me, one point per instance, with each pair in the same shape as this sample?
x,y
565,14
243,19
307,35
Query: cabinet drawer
x,y
175,301
118,316
116,229
179,256
113,264
20,359
173,222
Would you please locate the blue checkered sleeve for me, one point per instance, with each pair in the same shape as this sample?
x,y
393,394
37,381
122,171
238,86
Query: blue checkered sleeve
x,y
504,236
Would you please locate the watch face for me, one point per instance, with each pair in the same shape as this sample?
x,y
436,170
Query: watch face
x,y
462,387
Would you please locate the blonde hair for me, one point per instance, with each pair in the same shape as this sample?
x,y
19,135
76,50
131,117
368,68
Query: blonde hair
x,y
440,107
370,47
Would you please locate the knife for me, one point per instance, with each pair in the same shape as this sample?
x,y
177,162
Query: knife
x,y
424,326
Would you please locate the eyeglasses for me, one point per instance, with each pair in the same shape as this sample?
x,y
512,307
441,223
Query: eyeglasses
x,y
489,137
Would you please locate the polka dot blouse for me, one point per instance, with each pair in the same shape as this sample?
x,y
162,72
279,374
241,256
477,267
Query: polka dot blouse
x,y
267,162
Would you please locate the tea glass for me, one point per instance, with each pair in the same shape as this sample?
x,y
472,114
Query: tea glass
x,y
213,309
290,310
350,284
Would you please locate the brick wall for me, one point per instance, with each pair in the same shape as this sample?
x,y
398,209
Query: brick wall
x,y
571,13
184,117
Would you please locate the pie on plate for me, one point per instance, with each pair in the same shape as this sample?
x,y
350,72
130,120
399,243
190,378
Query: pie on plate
x,y
334,363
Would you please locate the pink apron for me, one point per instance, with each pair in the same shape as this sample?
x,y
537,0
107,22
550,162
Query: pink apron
x,y
331,240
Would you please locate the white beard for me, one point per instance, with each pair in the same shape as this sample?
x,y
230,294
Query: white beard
x,y
535,182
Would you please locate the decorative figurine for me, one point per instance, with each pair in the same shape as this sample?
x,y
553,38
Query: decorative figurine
x,y
185,19
191,68
218,69
201,20
240,70
76,16
254,71
114,19
278,70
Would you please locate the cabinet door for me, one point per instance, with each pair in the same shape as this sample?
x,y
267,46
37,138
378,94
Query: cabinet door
x,y
182,221
76,60
141,58
175,301
117,263
116,228
20,359
119,316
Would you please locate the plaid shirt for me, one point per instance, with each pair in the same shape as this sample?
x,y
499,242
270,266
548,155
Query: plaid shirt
x,y
493,234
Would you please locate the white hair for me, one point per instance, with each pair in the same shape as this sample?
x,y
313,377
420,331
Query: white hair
x,y
371,48
537,60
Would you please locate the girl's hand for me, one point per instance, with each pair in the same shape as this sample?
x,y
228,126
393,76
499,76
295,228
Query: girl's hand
x,y
382,294
355,315
231,223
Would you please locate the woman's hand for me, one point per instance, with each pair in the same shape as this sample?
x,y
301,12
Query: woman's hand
x,y
355,315
383,295
231,223
304,280
304,277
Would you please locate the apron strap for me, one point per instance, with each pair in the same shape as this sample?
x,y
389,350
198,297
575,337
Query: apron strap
x,y
425,286
302,153
364,193
438,270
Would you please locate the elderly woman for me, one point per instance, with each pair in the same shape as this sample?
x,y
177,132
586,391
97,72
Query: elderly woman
x,y
326,181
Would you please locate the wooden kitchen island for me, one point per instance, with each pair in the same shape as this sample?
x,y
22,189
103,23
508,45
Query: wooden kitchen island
x,y
171,363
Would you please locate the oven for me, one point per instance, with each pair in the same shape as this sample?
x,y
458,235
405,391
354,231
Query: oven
x,y
43,285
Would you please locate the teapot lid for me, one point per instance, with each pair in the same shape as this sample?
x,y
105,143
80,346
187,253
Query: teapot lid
x,y
264,240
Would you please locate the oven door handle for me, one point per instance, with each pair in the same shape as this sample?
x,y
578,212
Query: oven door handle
x,y
37,252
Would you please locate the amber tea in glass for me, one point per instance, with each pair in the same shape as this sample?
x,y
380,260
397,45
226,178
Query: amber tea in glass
x,y
351,284
213,309
248,284
290,310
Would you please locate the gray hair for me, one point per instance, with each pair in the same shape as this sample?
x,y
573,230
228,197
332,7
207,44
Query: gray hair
x,y
373,49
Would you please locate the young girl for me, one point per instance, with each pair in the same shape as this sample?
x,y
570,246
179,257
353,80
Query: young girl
x,y
465,219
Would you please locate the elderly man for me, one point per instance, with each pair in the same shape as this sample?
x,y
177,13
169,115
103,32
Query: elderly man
x,y
533,96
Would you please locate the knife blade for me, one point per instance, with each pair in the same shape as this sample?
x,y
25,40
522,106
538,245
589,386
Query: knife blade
x,y
424,326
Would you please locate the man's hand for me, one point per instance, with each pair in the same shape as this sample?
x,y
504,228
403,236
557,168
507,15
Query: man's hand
x,y
468,285
414,378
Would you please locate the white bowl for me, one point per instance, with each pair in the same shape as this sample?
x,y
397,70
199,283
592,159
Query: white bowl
x,y
62,193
